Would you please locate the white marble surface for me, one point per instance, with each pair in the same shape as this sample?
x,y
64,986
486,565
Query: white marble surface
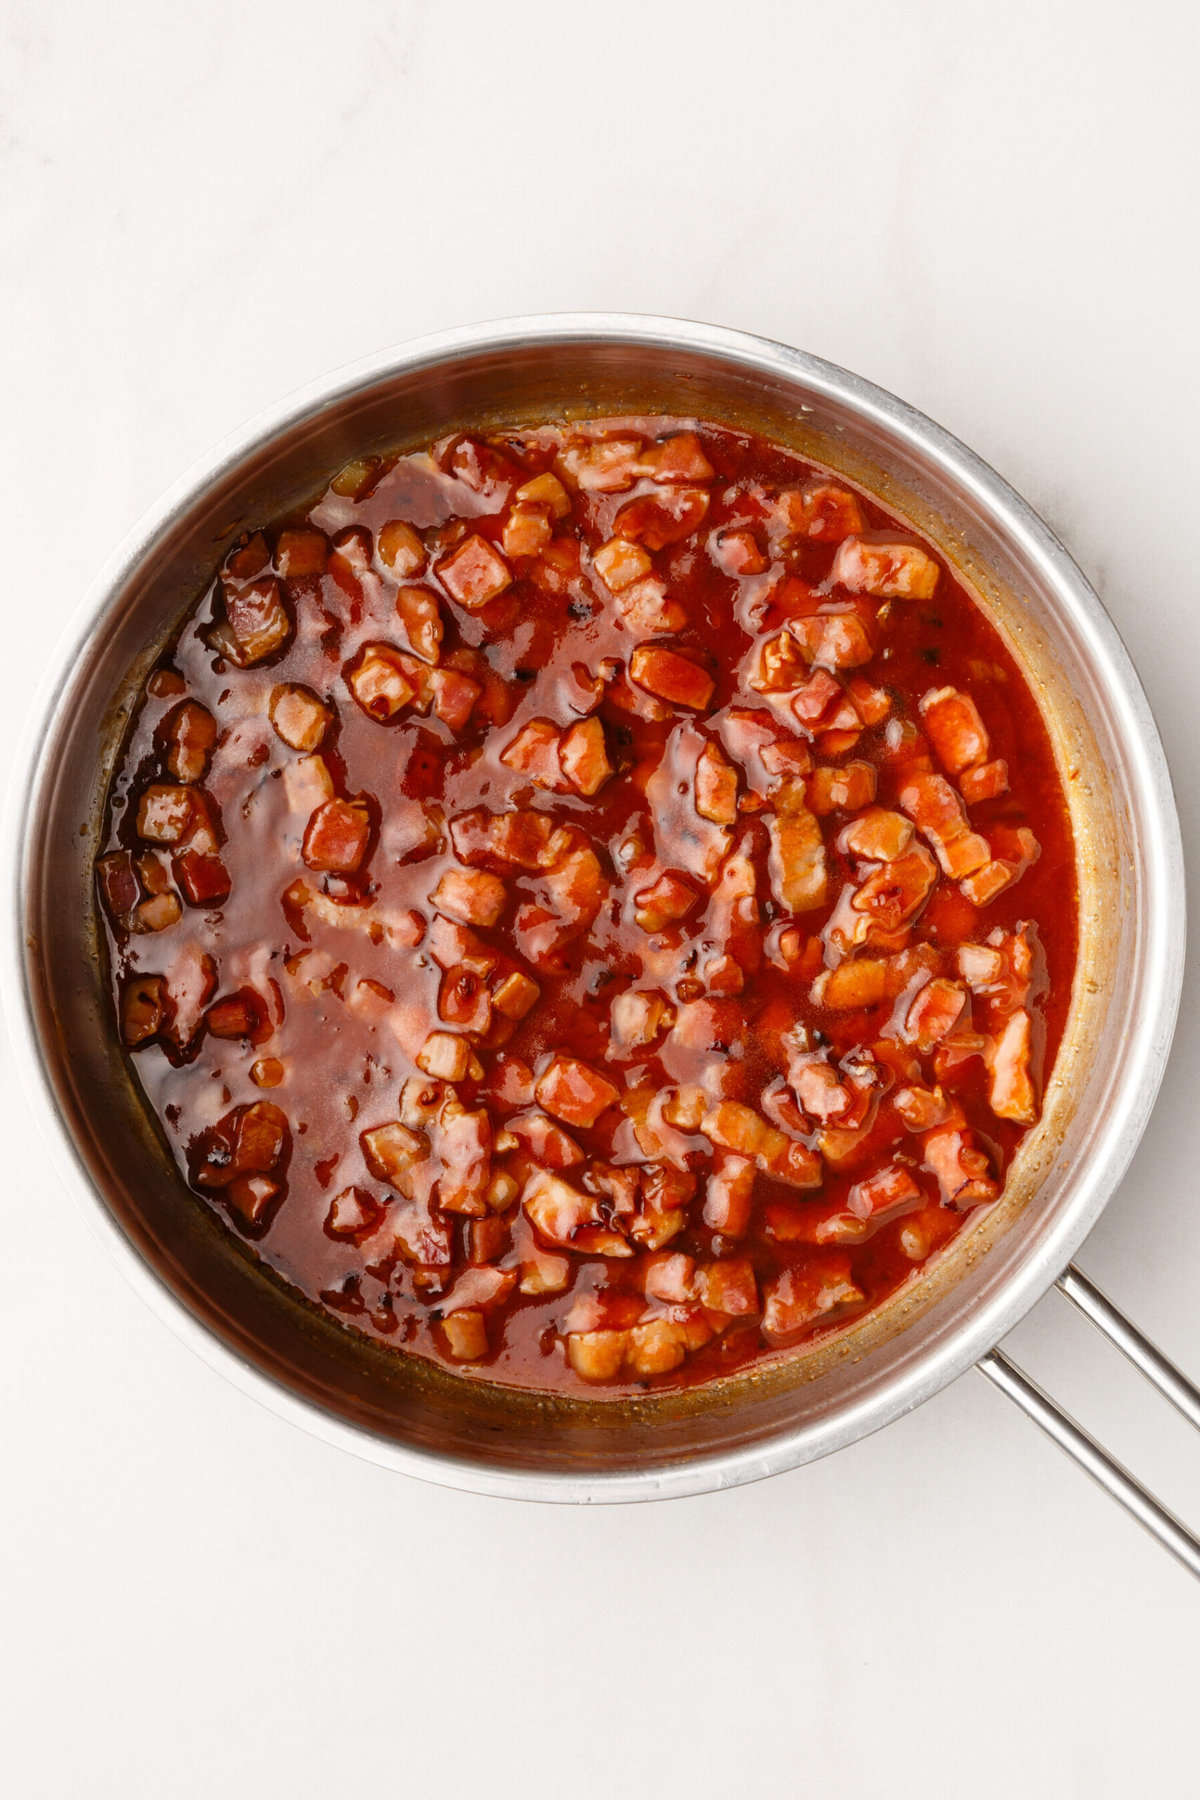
x,y
990,209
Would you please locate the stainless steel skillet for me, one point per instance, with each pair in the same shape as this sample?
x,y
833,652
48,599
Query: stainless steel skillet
x,y
406,1415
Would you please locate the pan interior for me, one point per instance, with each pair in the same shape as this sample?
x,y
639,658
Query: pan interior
x,y
808,1400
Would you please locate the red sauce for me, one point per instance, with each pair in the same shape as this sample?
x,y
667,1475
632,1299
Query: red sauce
x,y
594,907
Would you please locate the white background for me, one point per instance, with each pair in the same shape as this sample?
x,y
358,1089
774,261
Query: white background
x,y
990,209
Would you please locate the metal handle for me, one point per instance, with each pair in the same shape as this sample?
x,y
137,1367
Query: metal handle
x,y
1070,1436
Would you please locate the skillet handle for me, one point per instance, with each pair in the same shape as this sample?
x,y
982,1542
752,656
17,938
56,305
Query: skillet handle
x,y
1070,1436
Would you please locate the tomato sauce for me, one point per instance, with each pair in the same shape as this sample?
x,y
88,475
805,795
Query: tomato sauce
x,y
594,906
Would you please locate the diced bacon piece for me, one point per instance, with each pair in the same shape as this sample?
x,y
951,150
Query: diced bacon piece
x,y
158,913
988,883
444,1056
872,704
893,571
662,1207
937,811
812,1294
684,1107
956,731
250,1140
352,1214
980,965
679,457
777,665
844,789
463,1001
799,875
419,1238
455,696
301,553
569,1218
235,1016
925,1231
729,1194
934,1011
671,677
886,902
189,731
337,836
921,1109
527,531
786,1222
307,784
541,1271
620,563
479,1287
547,1142
583,756
876,836
669,1278
638,1018
794,1164
534,752
257,624
619,1184
203,878
657,520
667,900
464,1146
1011,1093
737,1127
299,718
466,1336
575,886
737,551
356,478
252,1198
474,573
646,611
889,1191
530,840
470,895
962,1169
391,1152
833,640
119,885
545,490
574,1093
165,814
987,782
602,465
379,683
516,995
716,787
597,1355
818,700
819,1088
191,983
820,511
144,1008
419,613
400,547
866,981
1015,851
421,1102
728,1286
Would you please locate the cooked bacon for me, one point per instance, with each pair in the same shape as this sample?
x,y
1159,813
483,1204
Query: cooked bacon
x,y
956,731
938,813
891,570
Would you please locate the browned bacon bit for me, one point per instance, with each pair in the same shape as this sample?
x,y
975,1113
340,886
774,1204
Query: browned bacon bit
x,y
592,905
